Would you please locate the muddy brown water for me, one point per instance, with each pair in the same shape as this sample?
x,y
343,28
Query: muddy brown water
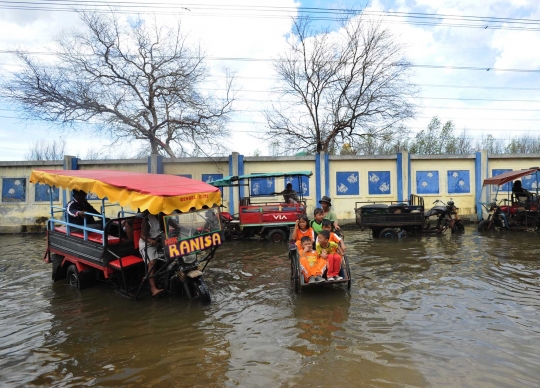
x,y
452,311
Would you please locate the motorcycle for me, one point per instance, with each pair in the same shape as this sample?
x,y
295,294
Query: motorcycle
x,y
447,217
179,268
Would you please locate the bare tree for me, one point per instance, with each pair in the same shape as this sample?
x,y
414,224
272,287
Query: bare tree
x,y
339,88
43,150
136,80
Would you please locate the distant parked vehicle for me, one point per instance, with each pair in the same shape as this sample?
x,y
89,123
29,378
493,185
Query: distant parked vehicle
x,y
509,210
258,215
398,219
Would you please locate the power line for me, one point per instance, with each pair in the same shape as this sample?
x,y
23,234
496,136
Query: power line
x,y
334,14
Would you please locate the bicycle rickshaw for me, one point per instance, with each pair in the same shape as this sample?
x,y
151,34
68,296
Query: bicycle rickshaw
x,y
297,277
84,255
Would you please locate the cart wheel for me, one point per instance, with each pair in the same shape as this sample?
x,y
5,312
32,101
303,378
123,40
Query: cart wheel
x,y
458,227
484,226
200,291
348,270
72,277
388,233
276,236
295,273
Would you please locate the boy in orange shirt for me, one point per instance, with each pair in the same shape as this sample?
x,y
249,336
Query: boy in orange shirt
x,y
331,252
311,264
327,225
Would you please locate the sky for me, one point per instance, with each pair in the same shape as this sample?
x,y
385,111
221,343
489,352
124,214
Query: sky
x,y
451,44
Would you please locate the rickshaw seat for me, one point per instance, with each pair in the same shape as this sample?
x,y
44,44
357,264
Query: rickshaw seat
x,y
137,222
127,261
92,236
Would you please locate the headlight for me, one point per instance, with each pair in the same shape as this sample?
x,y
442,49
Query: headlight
x,y
188,259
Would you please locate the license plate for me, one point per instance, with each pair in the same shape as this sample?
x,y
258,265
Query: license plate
x,y
194,274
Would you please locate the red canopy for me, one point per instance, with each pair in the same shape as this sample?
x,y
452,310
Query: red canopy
x,y
155,192
508,176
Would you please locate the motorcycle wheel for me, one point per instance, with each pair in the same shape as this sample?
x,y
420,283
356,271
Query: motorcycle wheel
x,y
200,291
485,226
458,227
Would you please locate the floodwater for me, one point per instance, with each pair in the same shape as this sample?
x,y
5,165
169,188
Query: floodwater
x,y
439,311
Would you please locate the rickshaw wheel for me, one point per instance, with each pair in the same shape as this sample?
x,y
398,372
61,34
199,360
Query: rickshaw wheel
x,y
348,269
295,274
72,277
485,226
201,291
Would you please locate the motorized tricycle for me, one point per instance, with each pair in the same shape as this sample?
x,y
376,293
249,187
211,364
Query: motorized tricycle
x,y
508,209
270,219
84,254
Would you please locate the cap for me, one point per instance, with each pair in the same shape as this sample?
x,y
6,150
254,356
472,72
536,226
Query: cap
x,y
326,199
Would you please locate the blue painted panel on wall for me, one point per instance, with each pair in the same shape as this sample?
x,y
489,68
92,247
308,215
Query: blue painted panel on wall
x,y
209,178
529,182
379,182
304,181
427,182
506,186
42,193
13,189
459,181
262,186
348,183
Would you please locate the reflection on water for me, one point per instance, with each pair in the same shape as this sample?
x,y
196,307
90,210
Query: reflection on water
x,y
431,311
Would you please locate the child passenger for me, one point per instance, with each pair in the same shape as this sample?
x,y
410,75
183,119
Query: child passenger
x,y
316,224
302,229
331,252
311,264
327,225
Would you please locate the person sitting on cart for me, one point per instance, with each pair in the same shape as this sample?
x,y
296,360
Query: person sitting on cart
x,y
316,222
327,225
328,214
312,264
289,195
519,191
78,207
150,231
331,252
302,229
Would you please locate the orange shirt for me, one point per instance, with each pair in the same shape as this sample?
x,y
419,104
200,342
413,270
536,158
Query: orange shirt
x,y
308,232
333,238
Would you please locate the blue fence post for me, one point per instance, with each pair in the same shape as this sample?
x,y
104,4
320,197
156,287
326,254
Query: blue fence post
x,y
326,174
481,166
317,177
155,164
399,167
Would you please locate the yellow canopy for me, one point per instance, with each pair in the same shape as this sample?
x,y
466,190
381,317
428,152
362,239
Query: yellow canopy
x,y
153,192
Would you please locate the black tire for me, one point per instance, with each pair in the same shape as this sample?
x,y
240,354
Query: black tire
x,y
458,227
484,226
72,277
295,273
388,233
276,236
200,291
348,271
